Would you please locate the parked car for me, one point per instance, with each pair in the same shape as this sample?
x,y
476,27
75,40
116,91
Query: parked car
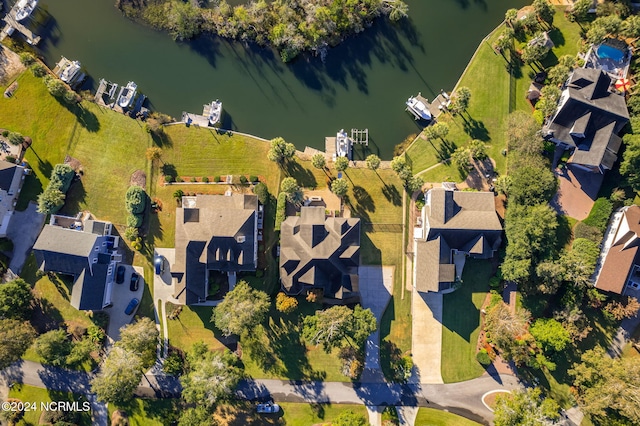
x,y
158,262
120,274
135,279
267,408
131,306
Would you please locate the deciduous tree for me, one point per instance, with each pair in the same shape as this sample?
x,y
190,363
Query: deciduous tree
x,y
15,299
16,337
525,408
286,304
119,377
140,338
550,334
281,151
242,308
54,347
333,327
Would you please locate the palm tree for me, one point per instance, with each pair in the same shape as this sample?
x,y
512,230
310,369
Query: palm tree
x,y
154,154
373,162
318,161
342,164
510,17
396,9
340,187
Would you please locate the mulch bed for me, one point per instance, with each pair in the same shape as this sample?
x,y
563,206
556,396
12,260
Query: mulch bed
x,y
138,178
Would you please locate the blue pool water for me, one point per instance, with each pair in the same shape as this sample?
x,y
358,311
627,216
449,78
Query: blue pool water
x,y
608,52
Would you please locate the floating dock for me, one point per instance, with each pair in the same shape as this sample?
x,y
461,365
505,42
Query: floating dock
x,y
439,104
189,118
106,93
13,25
77,79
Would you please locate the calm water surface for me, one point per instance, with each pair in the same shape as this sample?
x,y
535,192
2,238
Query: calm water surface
x,y
362,83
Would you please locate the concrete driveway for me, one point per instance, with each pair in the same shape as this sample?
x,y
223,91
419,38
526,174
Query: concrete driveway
x,y
163,291
376,287
426,334
24,228
120,297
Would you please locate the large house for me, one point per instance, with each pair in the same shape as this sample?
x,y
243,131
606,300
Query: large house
x,y
588,119
453,225
11,179
619,265
319,253
213,233
84,249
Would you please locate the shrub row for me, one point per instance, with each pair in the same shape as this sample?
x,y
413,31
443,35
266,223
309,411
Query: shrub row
x,y
280,210
52,199
135,202
600,213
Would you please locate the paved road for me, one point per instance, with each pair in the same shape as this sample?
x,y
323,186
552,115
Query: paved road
x,y
462,398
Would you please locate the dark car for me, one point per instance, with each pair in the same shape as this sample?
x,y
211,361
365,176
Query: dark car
x,y
135,279
158,262
131,306
120,274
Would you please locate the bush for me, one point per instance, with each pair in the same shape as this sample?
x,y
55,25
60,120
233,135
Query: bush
x,y
173,364
243,179
262,192
134,221
71,97
169,178
253,178
27,59
259,273
131,233
15,138
54,86
280,210
10,159
193,179
600,213
205,179
217,179
179,179
5,133
135,200
483,357
38,70
286,304
6,244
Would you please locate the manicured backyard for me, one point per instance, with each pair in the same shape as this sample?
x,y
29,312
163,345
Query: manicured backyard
x,y
461,323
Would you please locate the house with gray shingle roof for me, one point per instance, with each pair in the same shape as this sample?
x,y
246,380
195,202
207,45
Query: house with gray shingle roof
x,y
85,250
452,226
319,253
588,119
213,233
11,180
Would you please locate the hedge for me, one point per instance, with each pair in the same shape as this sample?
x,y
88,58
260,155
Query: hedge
x,y
600,213
135,199
134,220
280,210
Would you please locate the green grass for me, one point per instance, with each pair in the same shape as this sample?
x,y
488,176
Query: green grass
x,y
295,414
193,325
149,412
433,417
495,93
461,323
33,394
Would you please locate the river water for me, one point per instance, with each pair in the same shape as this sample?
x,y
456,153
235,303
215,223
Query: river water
x,y
363,83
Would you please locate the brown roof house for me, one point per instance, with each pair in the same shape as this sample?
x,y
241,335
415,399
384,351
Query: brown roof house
x,y
320,253
213,233
588,120
84,249
453,225
619,264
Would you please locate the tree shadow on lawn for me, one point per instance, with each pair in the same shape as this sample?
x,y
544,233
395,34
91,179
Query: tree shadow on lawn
x,y
363,198
564,233
161,139
392,194
357,210
45,316
475,129
74,198
445,149
85,118
204,313
30,190
304,177
370,254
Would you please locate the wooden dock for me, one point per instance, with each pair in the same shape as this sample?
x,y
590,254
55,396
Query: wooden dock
x,y
194,119
329,148
13,25
439,105
77,79
360,136
106,93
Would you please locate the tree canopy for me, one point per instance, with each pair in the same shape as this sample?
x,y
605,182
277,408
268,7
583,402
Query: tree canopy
x,y
15,299
334,327
119,377
550,334
340,187
525,408
16,337
140,338
318,161
373,161
54,347
281,151
242,308
342,164
212,376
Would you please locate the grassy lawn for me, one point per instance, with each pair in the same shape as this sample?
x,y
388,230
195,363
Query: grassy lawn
x,y
149,412
31,394
308,414
461,323
495,93
433,417
193,325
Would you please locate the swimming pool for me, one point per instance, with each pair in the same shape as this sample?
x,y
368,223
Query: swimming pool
x,y
607,52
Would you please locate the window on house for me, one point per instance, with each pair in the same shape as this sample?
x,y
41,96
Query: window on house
x,y
95,260
96,248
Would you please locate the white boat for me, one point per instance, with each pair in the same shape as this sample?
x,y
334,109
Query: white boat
x,y
418,109
343,144
213,111
70,71
127,94
24,8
